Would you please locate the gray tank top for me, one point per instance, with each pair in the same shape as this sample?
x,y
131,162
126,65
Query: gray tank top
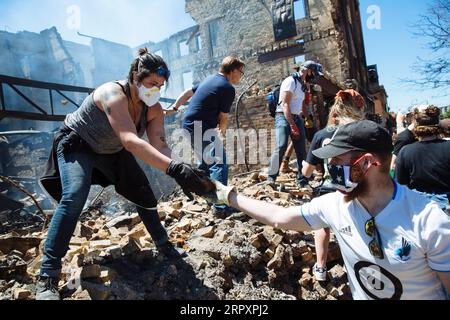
x,y
93,126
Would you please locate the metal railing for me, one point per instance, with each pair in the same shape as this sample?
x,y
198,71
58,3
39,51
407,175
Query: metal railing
x,y
38,112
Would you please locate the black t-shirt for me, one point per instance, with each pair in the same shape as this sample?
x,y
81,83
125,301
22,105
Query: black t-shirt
x,y
425,166
404,138
213,96
318,142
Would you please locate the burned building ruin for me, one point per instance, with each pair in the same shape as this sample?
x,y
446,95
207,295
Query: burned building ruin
x,y
111,254
269,35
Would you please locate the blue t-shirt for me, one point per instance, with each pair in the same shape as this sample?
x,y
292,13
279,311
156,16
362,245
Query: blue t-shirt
x,y
214,95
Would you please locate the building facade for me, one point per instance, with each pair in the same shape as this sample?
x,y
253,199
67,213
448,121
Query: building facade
x,y
271,36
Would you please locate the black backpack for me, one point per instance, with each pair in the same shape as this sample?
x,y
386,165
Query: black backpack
x,y
273,98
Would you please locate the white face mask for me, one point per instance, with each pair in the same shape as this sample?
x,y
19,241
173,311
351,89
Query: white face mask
x,y
340,176
150,96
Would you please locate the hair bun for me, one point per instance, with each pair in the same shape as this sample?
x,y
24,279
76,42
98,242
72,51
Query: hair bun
x,y
428,116
432,111
143,52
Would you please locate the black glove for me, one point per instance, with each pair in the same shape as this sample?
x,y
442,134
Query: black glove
x,y
190,179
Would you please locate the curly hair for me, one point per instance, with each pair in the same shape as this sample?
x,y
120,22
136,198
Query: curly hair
x,y
427,122
344,110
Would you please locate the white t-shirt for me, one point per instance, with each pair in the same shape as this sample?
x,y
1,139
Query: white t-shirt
x,y
295,87
415,237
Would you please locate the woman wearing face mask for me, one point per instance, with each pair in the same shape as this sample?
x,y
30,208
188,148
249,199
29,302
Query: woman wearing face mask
x,y
98,145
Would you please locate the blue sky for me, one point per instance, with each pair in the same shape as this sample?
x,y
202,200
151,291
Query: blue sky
x,y
392,47
131,22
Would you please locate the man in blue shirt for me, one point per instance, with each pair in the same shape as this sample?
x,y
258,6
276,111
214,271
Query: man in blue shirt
x,y
209,109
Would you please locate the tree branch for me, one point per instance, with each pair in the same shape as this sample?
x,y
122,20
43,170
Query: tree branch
x,y
434,73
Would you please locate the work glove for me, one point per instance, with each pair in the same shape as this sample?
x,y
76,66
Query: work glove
x,y
221,194
190,179
309,122
295,133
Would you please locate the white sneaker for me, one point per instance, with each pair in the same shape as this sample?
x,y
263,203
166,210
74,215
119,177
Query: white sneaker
x,y
320,273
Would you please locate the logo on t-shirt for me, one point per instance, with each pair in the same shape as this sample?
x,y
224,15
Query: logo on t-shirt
x,y
404,252
377,282
347,231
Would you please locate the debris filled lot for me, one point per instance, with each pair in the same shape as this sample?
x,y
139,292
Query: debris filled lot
x,y
234,257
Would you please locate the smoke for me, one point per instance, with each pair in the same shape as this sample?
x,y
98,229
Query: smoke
x,y
40,40
130,22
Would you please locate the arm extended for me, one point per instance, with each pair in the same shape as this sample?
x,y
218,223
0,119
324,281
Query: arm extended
x,y
279,217
115,105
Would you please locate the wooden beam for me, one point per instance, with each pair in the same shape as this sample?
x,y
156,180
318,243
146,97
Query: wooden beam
x,y
287,52
328,88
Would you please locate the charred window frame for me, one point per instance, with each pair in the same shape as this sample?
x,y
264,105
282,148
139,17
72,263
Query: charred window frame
x,y
301,9
372,71
215,28
198,40
195,42
187,80
183,48
283,19
299,59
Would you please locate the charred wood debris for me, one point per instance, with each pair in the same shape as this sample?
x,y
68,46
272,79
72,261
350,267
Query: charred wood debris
x,y
111,256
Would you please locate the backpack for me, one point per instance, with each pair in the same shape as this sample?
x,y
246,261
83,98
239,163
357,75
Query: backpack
x,y
272,99
273,96
298,80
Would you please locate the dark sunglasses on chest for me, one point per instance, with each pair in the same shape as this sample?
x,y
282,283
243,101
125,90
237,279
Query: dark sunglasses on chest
x,y
374,245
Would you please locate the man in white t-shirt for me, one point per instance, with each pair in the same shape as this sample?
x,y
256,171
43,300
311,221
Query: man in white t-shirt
x,y
288,120
395,243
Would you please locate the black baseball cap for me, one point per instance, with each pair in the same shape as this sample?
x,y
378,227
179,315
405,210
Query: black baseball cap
x,y
314,66
364,135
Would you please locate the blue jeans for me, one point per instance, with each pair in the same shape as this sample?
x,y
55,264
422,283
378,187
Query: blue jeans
x,y
283,131
217,166
76,168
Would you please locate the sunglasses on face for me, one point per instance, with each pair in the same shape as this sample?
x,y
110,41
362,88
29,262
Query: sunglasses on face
x,y
375,244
